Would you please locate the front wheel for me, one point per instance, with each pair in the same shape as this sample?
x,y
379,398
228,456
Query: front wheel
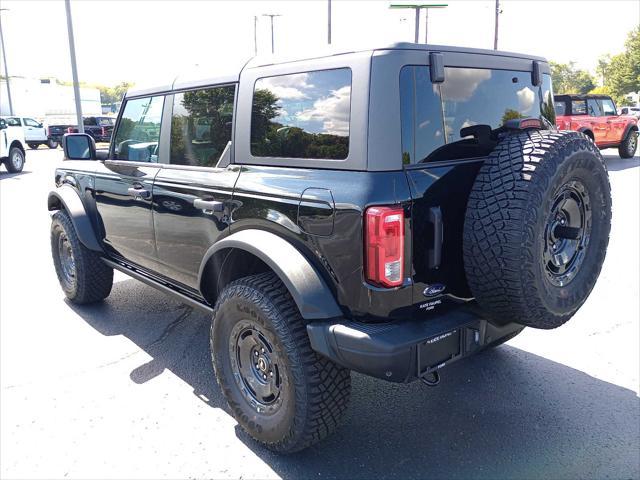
x,y
15,162
281,392
627,148
83,276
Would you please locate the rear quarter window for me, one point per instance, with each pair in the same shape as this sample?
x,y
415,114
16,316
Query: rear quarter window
x,y
302,115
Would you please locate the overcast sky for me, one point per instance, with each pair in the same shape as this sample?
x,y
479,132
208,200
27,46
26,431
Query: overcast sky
x,y
147,42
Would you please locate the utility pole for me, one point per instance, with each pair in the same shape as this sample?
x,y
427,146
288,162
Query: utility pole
x,y
255,35
495,34
271,15
4,59
329,20
74,68
417,7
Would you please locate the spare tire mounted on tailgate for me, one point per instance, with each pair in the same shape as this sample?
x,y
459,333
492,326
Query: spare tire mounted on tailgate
x,y
537,227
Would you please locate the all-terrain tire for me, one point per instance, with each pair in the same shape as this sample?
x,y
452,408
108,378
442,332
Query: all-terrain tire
x,y
627,148
313,391
15,161
88,279
507,234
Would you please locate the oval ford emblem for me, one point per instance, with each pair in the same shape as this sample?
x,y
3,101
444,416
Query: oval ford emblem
x,y
433,290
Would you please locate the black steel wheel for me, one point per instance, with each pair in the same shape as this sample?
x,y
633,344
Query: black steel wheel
x,y
567,233
281,392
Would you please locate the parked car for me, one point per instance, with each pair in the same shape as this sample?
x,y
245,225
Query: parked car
x,y
635,111
100,128
12,146
596,116
388,211
35,133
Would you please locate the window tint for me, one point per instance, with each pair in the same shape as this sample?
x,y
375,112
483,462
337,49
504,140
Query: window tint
x,y
474,96
13,122
608,108
561,108
90,121
548,106
30,122
593,107
201,125
303,115
138,132
420,110
578,107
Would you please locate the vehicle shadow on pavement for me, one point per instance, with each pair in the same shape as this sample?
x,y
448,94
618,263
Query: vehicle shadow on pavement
x,y
615,164
506,413
4,174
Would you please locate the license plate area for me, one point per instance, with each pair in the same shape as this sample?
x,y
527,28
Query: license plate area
x,y
436,352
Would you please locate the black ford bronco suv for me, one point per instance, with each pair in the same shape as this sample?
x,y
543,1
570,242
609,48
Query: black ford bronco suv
x,y
387,211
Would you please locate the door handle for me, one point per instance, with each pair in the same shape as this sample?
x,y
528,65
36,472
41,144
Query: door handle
x,y
208,205
139,192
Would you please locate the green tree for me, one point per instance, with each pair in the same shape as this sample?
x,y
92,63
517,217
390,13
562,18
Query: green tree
x,y
602,68
567,78
624,69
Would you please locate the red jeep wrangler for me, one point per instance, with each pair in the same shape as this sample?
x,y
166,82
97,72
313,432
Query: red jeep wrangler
x,y
596,116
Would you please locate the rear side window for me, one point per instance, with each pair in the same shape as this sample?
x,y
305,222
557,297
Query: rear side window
x,y
201,125
578,107
13,122
302,115
475,96
138,133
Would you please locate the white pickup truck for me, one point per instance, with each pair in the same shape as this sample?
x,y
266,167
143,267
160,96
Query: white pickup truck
x,y
35,133
12,147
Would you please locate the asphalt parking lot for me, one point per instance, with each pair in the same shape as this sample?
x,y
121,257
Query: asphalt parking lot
x,y
125,388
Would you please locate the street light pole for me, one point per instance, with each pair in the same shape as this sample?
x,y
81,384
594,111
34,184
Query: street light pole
x,y
255,35
271,15
329,23
417,7
6,68
495,34
74,68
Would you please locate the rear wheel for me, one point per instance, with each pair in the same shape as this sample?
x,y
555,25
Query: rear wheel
x,y
83,276
15,162
537,228
52,144
281,392
627,148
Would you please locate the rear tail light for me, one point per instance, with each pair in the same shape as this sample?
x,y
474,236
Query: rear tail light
x,y
384,246
103,132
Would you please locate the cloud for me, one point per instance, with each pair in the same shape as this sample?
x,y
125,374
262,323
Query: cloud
x,y
289,87
461,83
333,111
526,98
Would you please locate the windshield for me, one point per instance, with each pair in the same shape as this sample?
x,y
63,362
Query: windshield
x,y
105,122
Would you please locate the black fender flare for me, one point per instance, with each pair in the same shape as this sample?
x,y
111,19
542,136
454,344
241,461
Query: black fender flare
x,y
630,126
310,292
585,129
67,198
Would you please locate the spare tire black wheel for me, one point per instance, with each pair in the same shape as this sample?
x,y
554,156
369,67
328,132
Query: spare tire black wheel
x,y
537,228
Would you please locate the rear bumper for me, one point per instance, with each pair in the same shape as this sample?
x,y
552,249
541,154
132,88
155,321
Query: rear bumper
x,y
405,351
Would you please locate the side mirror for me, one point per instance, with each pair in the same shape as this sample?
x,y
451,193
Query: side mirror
x,y
78,146
3,124
624,111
